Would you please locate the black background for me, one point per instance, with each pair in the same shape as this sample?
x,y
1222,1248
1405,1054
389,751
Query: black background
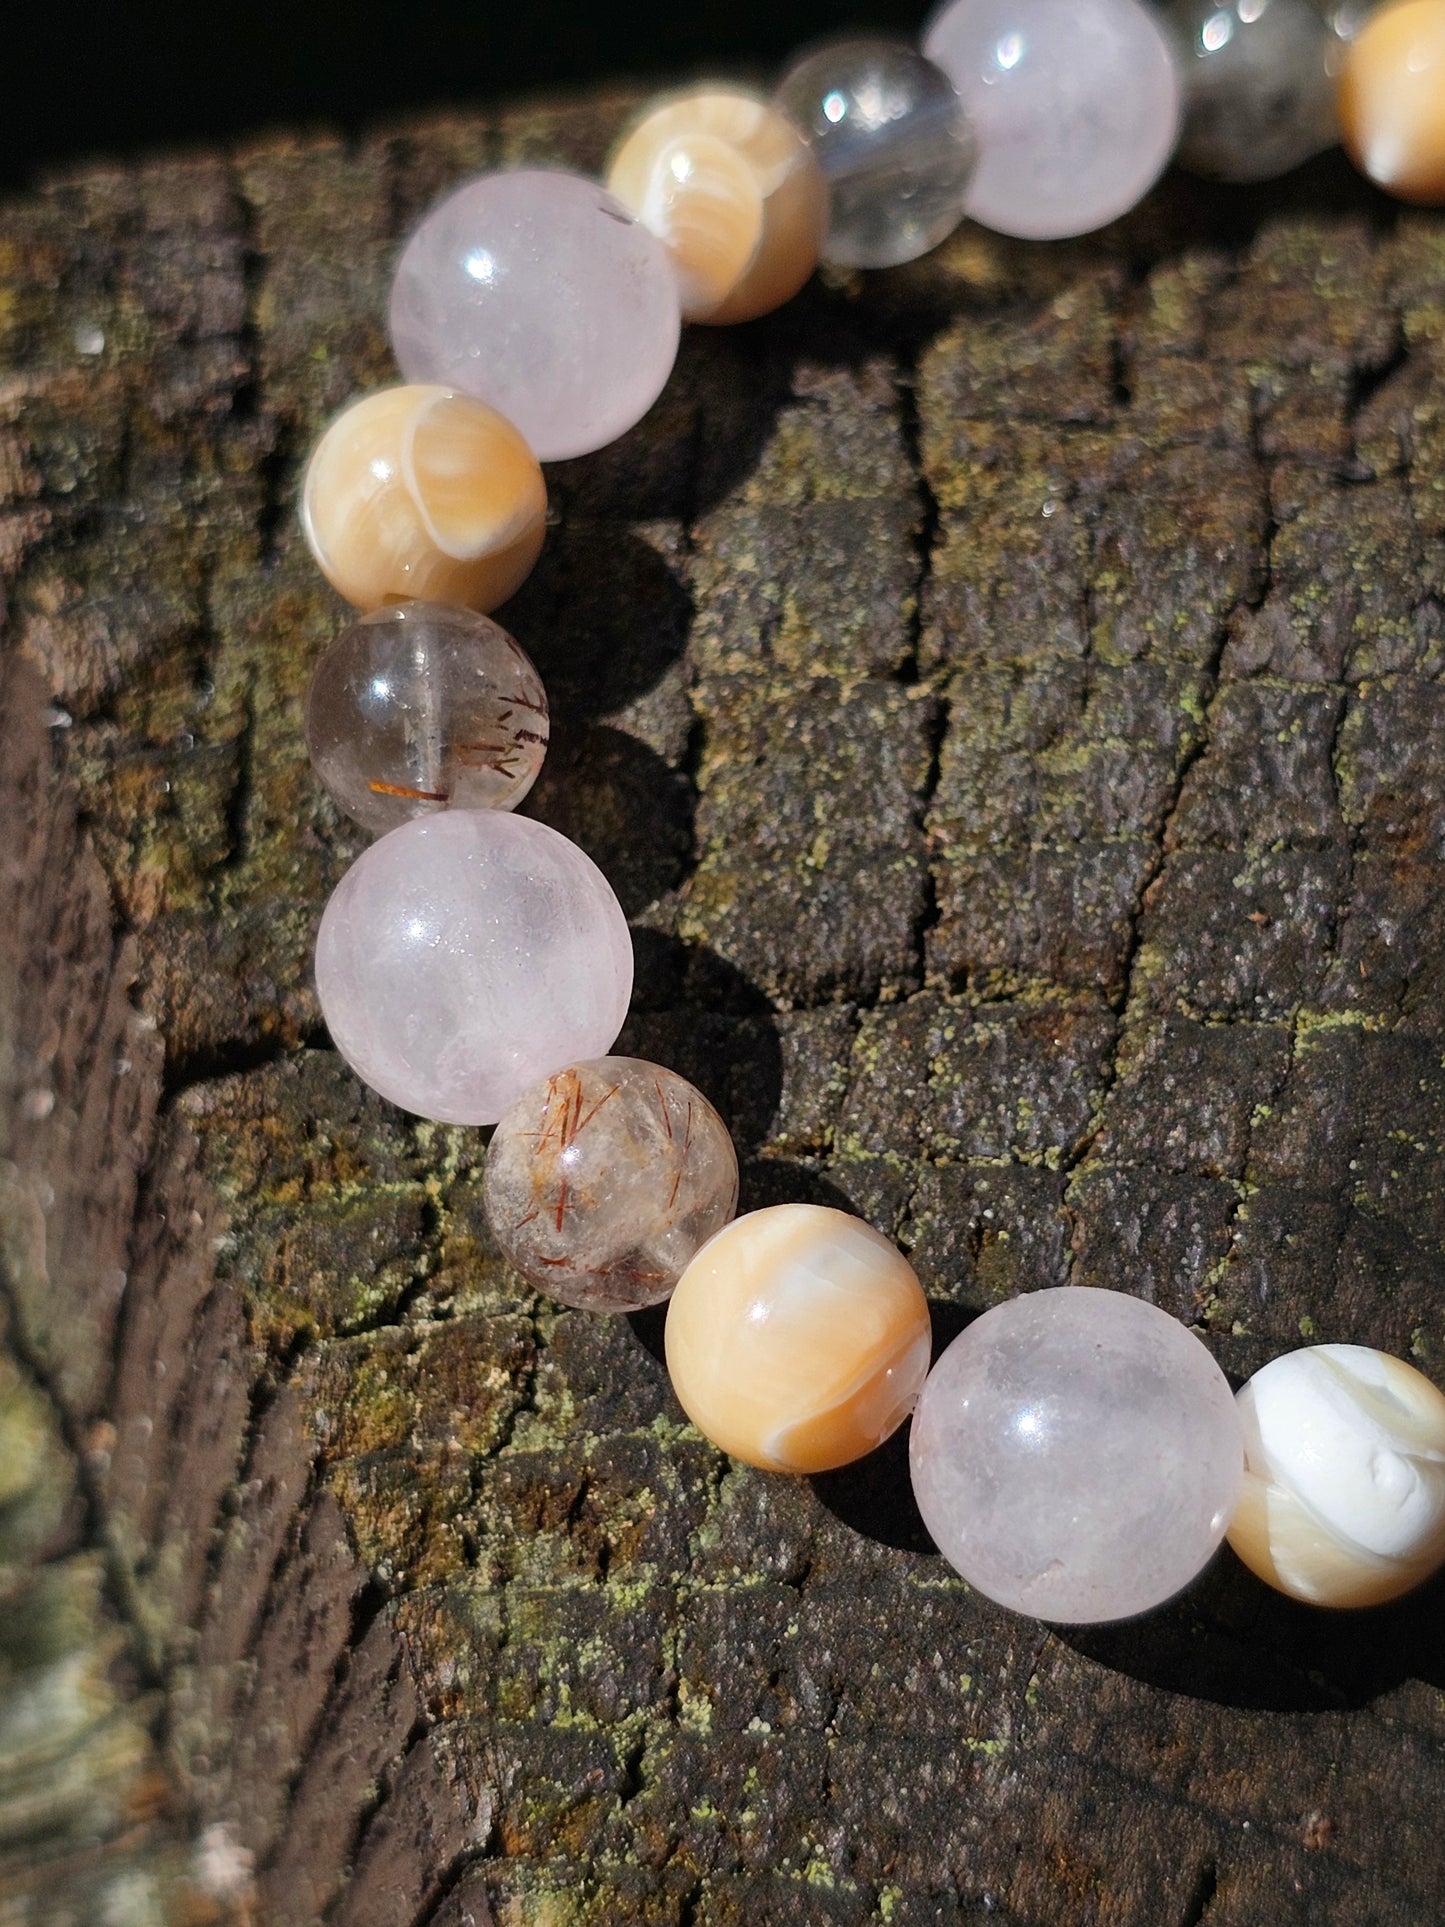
x,y
79,80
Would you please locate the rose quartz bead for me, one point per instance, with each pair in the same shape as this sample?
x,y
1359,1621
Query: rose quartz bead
x,y
465,955
1077,1455
540,294
1075,104
604,1179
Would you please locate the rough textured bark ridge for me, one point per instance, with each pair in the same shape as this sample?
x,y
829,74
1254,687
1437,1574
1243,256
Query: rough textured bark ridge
x,y
1007,696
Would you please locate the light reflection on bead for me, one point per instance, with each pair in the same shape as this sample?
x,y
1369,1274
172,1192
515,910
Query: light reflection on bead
x,y
1344,1489
798,1338
892,137
1344,18
1259,86
1076,108
604,1179
419,492
1392,100
539,292
465,955
733,191
1076,1455
418,708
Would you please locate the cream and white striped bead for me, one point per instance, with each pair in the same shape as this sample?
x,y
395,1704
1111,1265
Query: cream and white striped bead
x,y
1344,1487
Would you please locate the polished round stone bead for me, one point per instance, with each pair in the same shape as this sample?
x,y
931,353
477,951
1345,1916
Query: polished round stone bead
x,y
1075,104
1077,1455
895,145
1344,1485
465,955
539,293
733,192
1392,100
418,708
417,491
604,1179
1259,86
798,1338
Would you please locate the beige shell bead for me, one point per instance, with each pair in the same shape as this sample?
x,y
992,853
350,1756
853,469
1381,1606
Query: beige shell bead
x,y
798,1338
419,493
1392,100
1343,1502
735,193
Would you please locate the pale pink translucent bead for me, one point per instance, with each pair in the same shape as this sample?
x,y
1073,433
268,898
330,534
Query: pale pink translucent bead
x,y
1075,104
1077,1455
465,955
539,293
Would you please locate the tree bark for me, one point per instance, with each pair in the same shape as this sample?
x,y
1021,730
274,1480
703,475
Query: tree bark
x,y
1006,694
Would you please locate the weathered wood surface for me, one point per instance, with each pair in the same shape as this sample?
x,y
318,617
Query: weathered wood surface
x,y
1007,695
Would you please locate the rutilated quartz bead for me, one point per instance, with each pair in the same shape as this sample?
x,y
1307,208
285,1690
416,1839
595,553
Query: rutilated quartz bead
x,y
1344,1484
1392,100
798,1338
603,1180
734,193
894,143
420,492
418,708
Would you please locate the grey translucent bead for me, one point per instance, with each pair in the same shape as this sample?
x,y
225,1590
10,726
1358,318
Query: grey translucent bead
x,y
1259,89
419,707
894,142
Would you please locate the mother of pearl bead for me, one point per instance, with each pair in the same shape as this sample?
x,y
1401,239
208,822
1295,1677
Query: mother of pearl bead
x,y
466,955
1344,1486
539,293
798,1338
1076,1455
735,193
1392,100
419,492
1075,103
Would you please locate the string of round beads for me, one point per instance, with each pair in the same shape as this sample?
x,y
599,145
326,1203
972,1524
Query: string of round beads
x,y
1076,1453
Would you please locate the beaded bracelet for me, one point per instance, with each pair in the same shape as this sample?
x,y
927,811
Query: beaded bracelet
x,y
1077,1454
